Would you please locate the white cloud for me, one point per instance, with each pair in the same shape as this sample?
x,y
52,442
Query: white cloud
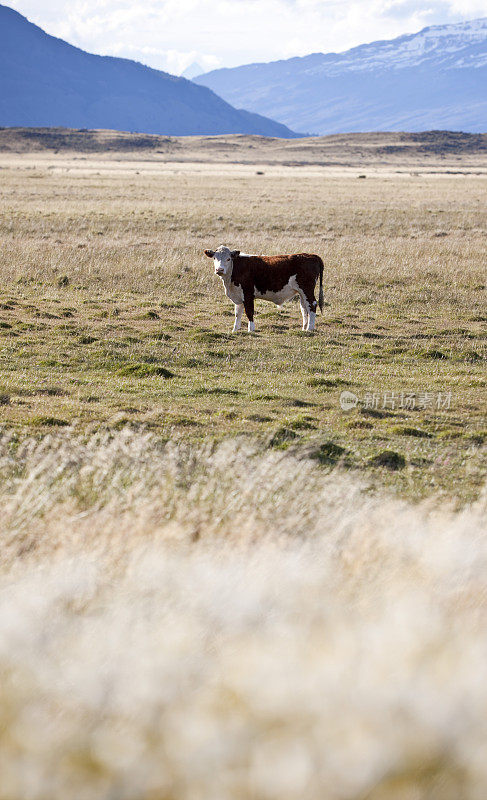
x,y
171,34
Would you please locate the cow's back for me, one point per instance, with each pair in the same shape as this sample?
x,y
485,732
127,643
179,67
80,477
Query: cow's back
x,y
272,273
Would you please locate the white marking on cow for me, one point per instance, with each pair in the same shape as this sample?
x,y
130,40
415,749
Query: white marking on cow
x,y
280,297
251,327
222,260
235,293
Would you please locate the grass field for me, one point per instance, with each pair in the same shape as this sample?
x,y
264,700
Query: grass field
x,y
111,314
215,582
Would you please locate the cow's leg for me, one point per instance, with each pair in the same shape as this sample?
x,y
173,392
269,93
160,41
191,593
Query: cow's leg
x,y
307,294
304,311
312,318
312,313
308,309
238,316
249,310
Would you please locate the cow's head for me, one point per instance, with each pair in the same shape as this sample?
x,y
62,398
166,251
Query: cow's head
x,y
222,259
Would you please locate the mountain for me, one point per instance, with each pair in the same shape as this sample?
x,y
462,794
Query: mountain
x,y
192,71
436,78
47,82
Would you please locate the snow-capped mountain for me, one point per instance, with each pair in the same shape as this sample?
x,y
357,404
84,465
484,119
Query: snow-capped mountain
x,y
436,78
446,44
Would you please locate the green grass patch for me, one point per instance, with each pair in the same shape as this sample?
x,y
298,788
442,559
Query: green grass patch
x,y
434,355
144,371
302,424
283,437
207,337
328,383
50,422
388,459
329,453
404,430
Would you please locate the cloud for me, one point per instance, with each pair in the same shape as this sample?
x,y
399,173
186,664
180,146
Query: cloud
x,y
171,34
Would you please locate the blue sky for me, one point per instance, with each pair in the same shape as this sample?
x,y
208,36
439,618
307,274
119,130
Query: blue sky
x,y
171,34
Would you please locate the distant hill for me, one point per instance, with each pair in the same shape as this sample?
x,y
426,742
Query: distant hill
x,y
192,71
434,79
430,151
46,82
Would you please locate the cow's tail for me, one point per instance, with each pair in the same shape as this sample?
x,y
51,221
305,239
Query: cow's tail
x,y
320,296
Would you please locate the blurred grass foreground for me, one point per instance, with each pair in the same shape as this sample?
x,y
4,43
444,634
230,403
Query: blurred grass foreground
x,y
186,622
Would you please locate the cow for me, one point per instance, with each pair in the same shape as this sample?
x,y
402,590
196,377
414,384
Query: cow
x,y
274,278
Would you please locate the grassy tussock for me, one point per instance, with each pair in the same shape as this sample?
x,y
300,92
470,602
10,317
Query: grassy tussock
x,y
182,621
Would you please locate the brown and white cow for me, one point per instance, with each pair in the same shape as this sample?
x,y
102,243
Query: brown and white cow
x,y
275,278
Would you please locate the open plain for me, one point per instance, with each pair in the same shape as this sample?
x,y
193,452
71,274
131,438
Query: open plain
x,y
111,314
217,582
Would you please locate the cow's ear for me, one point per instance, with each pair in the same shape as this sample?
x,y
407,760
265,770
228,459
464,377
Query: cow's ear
x,y
209,253
235,253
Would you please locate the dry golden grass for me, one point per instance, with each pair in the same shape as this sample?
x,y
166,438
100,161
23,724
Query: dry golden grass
x,y
187,622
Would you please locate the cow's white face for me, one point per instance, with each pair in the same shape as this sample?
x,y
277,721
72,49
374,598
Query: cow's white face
x,y
222,259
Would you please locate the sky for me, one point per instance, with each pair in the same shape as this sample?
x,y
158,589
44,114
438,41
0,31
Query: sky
x,y
172,34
